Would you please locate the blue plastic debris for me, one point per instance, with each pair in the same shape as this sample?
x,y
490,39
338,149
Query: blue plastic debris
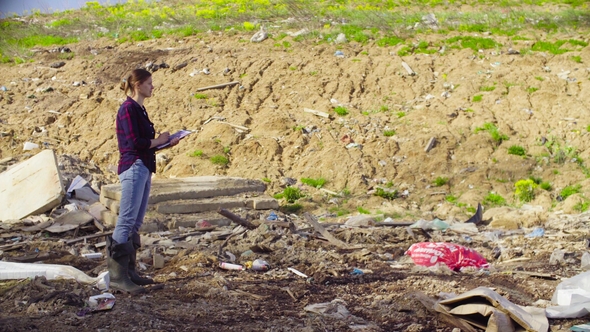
x,y
357,272
339,54
272,216
537,232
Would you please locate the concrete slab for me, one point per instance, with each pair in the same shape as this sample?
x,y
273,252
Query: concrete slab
x,y
191,188
33,186
200,205
263,203
110,204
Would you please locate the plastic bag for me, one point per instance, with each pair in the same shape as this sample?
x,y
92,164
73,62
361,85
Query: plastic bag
x,y
453,255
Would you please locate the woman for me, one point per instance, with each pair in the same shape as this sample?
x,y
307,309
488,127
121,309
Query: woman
x,y
137,143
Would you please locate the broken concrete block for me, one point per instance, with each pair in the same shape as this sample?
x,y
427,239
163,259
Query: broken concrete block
x,y
158,261
31,187
263,203
191,188
86,194
109,218
69,221
95,210
200,205
110,204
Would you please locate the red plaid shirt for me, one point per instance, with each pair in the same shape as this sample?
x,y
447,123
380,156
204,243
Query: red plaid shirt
x,y
134,134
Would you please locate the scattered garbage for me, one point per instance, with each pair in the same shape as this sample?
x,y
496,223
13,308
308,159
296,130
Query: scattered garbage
x,y
357,272
28,146
229,266
537,232
454,256
101,302
339,54
11,270
260,265
557,257
259,36
572,297
272,216
297,272
485,309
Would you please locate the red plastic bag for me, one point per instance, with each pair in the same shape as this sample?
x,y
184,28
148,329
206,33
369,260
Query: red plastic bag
x,y
453,255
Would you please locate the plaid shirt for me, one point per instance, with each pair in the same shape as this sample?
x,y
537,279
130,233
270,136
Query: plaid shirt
x,y
134,134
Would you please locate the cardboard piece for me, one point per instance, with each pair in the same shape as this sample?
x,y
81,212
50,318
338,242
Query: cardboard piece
x,y
69,221
486,309
33,186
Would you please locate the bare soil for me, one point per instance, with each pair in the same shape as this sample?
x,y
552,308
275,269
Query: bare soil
x,y
43,105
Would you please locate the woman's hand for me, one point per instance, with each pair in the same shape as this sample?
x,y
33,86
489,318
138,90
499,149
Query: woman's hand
x,y
174,141
163,138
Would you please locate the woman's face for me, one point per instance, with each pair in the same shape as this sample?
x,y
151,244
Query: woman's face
x,y
145,89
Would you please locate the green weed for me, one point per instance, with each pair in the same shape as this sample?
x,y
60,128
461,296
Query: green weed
x,y
341,110
487,88
196,153
546,186
388,41
451,199
477,98
570,190
493,131
388,133
531,89
402,114
581,206
219,160
494,200
339,211
362,210
386,193
267,180
577,58
291,208
292,194
517,150
200,96
440,181
316,183
525,190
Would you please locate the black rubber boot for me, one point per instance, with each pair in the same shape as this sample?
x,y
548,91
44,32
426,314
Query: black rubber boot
x,y
136,240
118,255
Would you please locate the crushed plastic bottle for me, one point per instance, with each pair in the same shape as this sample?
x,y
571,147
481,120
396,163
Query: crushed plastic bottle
x,y
260,265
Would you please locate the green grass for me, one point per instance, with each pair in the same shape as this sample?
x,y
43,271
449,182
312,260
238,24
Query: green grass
x,y
389,133
362,210
582,206
477,98
292,194
341,110
493,131
451,199
196,153
316,183
546,186
387,194
200,96
339,211
492,199
219,160
487,88
531,89
570,190
517,150
267,180
440,181
291,208
401,114
381,22
576,58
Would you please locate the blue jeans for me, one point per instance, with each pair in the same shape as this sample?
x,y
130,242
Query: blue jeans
x,y
135,191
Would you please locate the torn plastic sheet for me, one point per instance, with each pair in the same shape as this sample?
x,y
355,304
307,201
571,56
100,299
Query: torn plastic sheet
x,y
11,270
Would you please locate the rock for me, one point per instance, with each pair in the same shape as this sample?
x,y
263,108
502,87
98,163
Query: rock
x,y
57,64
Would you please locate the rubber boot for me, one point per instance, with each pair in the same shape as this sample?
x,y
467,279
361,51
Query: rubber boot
x,y
136,240
118,255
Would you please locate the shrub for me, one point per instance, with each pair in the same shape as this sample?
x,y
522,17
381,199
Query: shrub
x,y
440,181
291,194
317,183
525,190
341,110
570,190
388,133
196,153
362,210
219,160
494,200
516,150
387,194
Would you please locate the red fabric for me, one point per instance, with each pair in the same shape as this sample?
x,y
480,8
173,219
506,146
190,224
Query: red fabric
x,y
453,255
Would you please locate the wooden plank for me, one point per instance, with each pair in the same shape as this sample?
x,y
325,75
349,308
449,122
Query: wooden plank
x,y
318,113
217,86
196,232
408,69
87,237
237,219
